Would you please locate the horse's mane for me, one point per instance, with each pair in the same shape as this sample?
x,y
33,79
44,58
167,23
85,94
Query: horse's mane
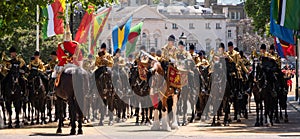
x,y
71,69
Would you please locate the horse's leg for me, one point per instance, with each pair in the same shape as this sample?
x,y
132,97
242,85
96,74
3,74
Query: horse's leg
x,y
59,114
3,112
276,111
174,109
183,97
249,102
286,120
280,113
80,120
165,121
227,112
137,112
151,114
102,111
72,114
257,104
111,109
156,124
9,110
214,121
17,104
261,108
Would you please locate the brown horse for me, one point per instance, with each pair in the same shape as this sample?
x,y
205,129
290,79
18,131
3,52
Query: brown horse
x,y
72,88
167,95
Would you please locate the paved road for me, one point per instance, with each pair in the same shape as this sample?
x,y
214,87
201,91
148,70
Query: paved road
x,y
245,129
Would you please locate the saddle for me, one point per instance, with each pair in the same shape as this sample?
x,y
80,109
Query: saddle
x,y
68,68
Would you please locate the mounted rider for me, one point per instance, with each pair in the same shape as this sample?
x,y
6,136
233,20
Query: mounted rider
x,y
104,61
37,68
66,50
194,54
235,57
88,64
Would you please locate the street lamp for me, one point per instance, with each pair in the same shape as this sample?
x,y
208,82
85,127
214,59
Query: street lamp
x,y
183,38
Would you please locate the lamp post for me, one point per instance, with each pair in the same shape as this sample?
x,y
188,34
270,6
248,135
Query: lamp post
x,y
183,38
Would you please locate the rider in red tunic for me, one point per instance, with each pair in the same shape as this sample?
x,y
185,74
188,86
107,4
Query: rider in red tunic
x,y
66,50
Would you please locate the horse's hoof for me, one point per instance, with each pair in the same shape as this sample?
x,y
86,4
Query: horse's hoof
x,y
238,120
80,132
218,124
10,126
110,123
32,123
73,132
261,124
277,121
257,124
229,120
175,126
226,123
26,123
235,118
155,128
100,123
214,124
166,128
137,124
286,120
58,131
17,126
184,123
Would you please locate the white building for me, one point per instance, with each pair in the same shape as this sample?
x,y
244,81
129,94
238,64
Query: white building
x,y
200,26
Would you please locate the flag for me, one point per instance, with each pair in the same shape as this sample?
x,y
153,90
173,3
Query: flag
x,y
82,32
120,34
132,38
284,49
54,25
282,33
287,13
97,25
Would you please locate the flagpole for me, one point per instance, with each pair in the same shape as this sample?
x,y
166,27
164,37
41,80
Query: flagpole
x,y
297,74
37,28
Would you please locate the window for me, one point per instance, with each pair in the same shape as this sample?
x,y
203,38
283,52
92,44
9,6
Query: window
x,y
208,46
218,26
108,26
238,16
191,26
207,25
232,15
174,26
229,34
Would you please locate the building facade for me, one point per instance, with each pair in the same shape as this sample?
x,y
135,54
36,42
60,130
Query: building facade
x,y
201,27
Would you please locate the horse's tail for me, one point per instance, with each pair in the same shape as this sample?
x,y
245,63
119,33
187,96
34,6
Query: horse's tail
x,y
80,85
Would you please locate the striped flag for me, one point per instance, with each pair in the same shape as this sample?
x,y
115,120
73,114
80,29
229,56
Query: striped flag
x,y
120,34
54,24
132,38
98,23
82,32
284,49
287,13
92,24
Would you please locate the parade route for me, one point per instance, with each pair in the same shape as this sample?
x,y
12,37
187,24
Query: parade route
x,y
128,129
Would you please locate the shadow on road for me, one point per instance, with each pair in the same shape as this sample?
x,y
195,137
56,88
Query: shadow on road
x,y
48,134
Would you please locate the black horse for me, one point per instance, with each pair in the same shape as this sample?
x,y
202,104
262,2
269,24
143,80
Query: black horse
x,y
105,89
12,92
37,97
257,83
72,87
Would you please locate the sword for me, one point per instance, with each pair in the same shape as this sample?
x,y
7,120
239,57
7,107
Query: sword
x,y
150,56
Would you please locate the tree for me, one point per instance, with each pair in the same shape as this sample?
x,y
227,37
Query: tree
x,y
259,11
22,13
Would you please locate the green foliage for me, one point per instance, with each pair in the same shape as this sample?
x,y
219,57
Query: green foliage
x,y
18,22
259,11
25,42
22,13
